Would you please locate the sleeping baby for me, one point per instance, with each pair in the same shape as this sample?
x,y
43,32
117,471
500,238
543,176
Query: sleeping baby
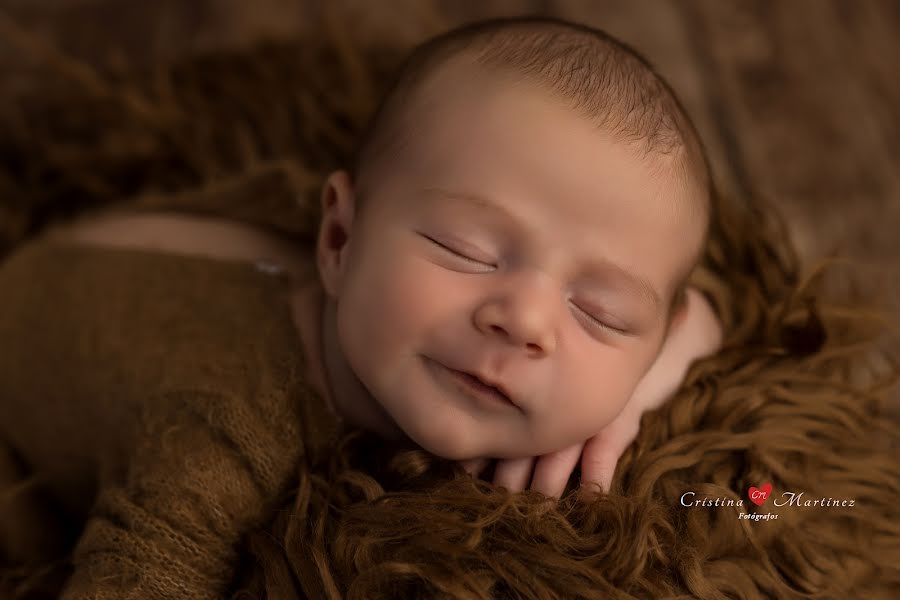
x,y
503,277
517,245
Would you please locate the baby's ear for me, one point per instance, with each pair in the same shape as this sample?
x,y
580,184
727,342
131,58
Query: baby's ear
x,y
338,205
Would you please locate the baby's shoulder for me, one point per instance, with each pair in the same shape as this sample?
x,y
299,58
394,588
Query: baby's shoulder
x,y
189,234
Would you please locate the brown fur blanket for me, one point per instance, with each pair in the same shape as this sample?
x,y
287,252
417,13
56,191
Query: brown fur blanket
x,y
795,400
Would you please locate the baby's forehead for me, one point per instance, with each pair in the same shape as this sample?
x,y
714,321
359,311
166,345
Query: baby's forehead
x,y
519,109
452,150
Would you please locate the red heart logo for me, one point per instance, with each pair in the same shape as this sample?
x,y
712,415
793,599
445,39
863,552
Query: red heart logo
x,y
759,495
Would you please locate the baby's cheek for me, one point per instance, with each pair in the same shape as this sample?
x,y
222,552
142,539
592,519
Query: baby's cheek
x,y
392,303
406,293
599,391
426,295
381,308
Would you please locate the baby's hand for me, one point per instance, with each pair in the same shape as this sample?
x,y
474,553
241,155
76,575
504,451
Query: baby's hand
x,y
549,473
698,335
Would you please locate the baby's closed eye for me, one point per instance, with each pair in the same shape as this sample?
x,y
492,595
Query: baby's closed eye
x,y
593,320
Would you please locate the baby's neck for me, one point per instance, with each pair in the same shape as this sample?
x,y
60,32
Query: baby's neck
x,y
327,369
351,398
307,301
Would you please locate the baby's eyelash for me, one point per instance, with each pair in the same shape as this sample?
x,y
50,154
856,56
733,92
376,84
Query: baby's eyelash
x,y
455,253
602,324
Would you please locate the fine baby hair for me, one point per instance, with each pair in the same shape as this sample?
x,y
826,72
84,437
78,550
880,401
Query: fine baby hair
x,y
599,77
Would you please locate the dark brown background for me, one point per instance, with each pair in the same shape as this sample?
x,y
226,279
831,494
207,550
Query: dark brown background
x,y
796,101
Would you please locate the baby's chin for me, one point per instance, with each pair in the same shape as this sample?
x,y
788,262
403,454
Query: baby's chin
x,y
460,438
449,437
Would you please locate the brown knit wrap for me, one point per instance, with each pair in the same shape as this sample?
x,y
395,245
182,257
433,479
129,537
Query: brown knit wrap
x,y
796,397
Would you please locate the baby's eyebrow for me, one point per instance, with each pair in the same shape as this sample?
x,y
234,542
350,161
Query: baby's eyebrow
x,y
602,266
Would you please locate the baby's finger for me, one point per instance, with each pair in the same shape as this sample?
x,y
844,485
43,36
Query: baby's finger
x,y
552,471
598,462
513,473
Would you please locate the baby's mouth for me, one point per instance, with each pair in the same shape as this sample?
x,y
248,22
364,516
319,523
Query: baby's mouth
x,y
488,388
476,385
471,384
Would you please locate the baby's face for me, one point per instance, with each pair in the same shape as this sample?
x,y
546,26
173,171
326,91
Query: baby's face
x,y
519,243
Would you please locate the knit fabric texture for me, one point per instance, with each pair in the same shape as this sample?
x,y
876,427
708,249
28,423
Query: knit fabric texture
x,y
160,395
